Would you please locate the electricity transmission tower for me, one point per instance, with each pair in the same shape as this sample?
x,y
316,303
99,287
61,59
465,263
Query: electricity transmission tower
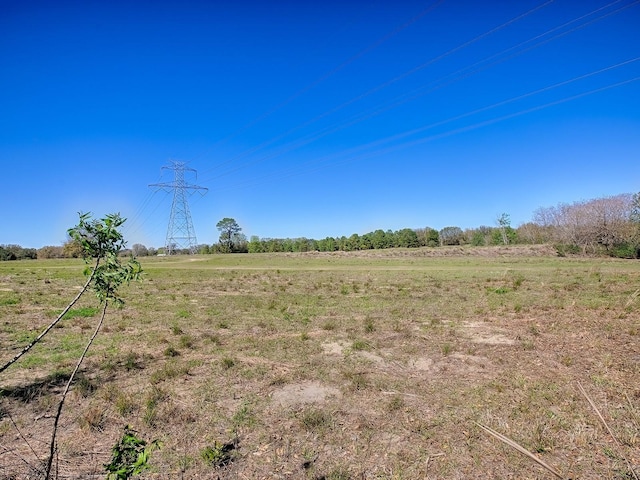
x,y
180,233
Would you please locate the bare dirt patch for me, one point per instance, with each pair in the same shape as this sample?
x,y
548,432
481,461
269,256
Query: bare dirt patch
x,y
303,393
453,364
479,332
334,348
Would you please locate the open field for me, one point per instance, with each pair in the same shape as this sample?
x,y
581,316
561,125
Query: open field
x,y
334,366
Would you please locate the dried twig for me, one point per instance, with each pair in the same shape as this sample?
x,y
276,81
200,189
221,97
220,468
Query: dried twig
x,y
593,405
632,298
522,450
23,437
633,411
401,393
34,469
429,457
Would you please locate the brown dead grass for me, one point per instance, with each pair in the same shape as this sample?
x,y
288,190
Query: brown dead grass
x,y
360,365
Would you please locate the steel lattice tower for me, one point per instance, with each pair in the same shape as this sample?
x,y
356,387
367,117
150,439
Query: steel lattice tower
x,y
180,233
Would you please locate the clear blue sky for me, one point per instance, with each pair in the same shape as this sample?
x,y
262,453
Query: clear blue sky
x,y
313,118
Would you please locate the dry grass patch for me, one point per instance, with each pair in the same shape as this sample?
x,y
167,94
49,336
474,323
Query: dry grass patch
x,y
364,365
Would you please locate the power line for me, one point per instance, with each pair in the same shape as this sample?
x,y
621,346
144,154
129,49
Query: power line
x,y
378,88
441,83
390,149
134,226
324,77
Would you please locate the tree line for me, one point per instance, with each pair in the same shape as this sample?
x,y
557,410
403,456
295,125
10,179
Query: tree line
x,y
16,252
607,225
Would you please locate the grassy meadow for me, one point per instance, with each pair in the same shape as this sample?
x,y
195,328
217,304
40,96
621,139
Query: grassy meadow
x,y
361,365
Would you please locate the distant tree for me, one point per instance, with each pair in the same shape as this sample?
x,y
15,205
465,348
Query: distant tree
x,y
451,236
72,248
286,244
50,251
380,239
228,228
497,237
239,242
428,237
255,245
203,249
139,250
591,225
504,222
634,217
304,245
16,252
271,245
407,238
477,237
531,233
327,244
352,243
634,214
152,251
365,242
6,254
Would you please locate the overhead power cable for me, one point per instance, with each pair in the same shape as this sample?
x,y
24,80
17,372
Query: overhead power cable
x,y
376,89
354,155
323,78
134,227
503,118
432,86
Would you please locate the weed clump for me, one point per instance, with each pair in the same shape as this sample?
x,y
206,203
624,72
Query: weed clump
x,y
130,456
170,351
218,454
314,419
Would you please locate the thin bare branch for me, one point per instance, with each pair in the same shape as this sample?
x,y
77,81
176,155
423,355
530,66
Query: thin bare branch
x,y
23,438
632,298
52,448
522,450
633,411
53,324
21,458
593,405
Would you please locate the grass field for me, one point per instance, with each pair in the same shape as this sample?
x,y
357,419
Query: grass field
x,y
366,365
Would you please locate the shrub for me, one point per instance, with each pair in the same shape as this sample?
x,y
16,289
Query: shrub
x,y
625,250
564,249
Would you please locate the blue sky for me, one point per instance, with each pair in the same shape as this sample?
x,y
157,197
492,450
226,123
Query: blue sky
x,y
313,119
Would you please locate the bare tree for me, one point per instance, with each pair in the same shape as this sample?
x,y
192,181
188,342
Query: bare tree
x,y
590,224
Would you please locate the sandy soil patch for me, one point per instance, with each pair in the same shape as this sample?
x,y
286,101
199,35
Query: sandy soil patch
x,y
334,348
304,393
478,332
457,363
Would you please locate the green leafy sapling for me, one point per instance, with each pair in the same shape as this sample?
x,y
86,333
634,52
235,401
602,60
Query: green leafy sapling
x,y
130,456
102,243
